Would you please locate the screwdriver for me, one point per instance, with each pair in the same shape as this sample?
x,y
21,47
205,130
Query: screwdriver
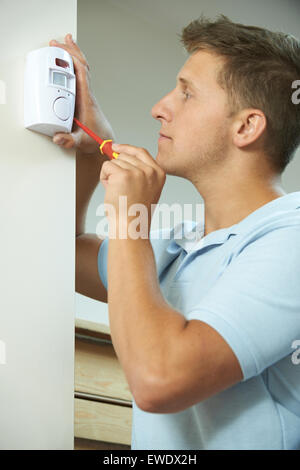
x,y
105,145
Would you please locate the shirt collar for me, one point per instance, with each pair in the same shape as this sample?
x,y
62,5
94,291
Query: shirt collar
x,y
189,235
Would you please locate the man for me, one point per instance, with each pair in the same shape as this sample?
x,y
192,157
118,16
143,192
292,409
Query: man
x,y
204,331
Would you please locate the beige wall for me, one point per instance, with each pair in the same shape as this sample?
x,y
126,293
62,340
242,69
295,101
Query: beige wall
x,y
37,206
134,53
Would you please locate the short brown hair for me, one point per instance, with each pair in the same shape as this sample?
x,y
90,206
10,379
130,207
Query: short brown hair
x,y
260,67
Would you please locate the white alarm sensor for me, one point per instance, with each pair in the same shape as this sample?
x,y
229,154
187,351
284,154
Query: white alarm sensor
x,y
49,91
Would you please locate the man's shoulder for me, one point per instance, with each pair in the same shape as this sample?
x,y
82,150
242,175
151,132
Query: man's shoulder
x,y
277,235
278,220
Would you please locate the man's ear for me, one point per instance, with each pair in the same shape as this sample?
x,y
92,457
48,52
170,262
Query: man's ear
x,y
248,127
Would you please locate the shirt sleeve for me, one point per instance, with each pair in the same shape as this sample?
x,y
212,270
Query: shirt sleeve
x,y
255,304
102,261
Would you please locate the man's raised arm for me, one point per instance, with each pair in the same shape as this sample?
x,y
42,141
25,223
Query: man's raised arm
x,y
88,166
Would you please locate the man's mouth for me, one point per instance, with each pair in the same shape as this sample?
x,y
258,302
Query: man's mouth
x,y
163,136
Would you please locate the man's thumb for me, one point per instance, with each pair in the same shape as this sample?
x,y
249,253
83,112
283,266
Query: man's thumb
x,y
64,140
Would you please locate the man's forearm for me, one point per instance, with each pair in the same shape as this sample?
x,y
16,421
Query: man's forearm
x,y
143,326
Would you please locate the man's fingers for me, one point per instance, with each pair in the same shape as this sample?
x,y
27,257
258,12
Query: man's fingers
x,y
137,152
141,158
71,47
108,169
124,162
69,41
135,162
64,140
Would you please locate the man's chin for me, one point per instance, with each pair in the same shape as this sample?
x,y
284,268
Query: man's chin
x,y
163,161
167,163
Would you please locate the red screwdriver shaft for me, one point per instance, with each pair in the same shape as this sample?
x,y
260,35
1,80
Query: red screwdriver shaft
x,y
105,145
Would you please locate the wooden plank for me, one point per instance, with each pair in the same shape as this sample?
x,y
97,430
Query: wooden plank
x,y
87,444
103,399
103,422
94,330
98,371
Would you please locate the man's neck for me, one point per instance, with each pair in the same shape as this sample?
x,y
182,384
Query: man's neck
x,y
228,204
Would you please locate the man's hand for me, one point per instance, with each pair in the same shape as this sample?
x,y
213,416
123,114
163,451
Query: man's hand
x,y
134,174
87,109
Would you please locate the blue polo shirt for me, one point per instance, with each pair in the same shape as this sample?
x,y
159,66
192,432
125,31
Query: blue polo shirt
x,y
244,281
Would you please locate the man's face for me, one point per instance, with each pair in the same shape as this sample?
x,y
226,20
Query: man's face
x,y
194,119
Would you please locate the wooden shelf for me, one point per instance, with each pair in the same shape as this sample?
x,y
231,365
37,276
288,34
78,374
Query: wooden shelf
x,y
102,422
103,401
88,444
92,330
98,371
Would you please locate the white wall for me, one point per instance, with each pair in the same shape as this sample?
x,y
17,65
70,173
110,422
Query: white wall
x,y
134,53
37,207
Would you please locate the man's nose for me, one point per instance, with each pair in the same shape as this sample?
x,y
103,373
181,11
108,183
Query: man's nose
x,y
162,109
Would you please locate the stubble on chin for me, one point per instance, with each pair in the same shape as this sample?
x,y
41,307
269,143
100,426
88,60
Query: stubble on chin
x,y
188,166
